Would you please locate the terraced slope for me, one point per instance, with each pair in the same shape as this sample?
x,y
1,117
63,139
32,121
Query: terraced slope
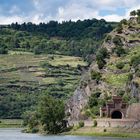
x,y
23,77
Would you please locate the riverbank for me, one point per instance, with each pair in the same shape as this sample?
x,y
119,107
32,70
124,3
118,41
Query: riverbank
x,y
106,132
10,123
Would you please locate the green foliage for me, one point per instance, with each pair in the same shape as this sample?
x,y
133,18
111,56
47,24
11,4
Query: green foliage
x,y
130,77
119,50
30,119
95,123
138,12
108,38
124,21
96,75
135,61
81,124
133,13
101,55
49,114
3,51
117,41
52,114
120,65
95,102
119,28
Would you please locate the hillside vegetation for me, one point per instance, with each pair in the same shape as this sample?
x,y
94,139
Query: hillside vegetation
x,y
116,71
120,70
44,59
80,38
23,77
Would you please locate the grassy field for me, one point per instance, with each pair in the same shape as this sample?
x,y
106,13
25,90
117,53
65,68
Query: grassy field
x,y
106,132
8,123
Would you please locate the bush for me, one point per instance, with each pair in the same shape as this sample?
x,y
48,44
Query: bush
x,y
119,50
119,29
81,124
100,57
120,65
138,73
130,77
105,130
3,51
135,61
101,63
108,38
95,123
117,41
124,21
34,130
95,75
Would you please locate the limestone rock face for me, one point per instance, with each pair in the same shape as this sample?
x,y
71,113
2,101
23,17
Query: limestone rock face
x,y
77,102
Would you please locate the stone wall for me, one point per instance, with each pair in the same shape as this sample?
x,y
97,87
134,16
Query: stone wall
x,y
131,123
134,111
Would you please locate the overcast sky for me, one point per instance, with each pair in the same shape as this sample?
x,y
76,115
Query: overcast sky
x,y
45,10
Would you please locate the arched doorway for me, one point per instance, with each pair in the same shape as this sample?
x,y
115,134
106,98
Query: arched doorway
x,y
116,115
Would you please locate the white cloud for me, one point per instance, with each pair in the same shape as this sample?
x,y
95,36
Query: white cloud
x,y
45,10
8,20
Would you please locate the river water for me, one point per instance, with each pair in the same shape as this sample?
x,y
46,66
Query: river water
x,y
15,134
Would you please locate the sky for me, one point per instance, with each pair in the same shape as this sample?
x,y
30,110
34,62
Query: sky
x,y
37,11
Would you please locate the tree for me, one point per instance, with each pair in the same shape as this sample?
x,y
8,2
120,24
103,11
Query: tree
x,y
100,57
96,75
120,65
119,50
133,13
52,114
138,12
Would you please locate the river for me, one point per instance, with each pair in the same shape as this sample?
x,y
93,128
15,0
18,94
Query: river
x,y
15,134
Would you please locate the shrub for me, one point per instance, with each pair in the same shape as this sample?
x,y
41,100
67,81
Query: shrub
x,y
138,73
119,28
3,51
96,75
120,65
34,130
95,123
108,38
135,61
119,50
130,77
105,130
124,21
117,41
100,57
81,124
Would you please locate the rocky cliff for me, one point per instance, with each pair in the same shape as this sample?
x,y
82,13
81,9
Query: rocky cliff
x,y
118,73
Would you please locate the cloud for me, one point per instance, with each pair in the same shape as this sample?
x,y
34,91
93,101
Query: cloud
x,y
8,20
45,10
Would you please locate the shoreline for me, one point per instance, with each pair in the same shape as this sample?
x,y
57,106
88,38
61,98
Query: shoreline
x,y
105,132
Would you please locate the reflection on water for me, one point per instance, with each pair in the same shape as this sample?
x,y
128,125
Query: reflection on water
x,y
15,134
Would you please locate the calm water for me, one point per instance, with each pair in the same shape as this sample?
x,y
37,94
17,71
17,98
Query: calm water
x,y
15,134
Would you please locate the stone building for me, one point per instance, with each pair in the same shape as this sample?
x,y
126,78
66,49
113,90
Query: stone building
x,y
115,109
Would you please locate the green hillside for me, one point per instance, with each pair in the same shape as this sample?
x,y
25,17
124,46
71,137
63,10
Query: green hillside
x,y
46,58
23,77
117,67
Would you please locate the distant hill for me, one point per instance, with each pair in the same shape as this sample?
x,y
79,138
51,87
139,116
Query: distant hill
x,y
80,38
44,58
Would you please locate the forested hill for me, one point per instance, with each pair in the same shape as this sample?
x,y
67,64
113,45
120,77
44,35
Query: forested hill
x,y
79,38
43,59
81,29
